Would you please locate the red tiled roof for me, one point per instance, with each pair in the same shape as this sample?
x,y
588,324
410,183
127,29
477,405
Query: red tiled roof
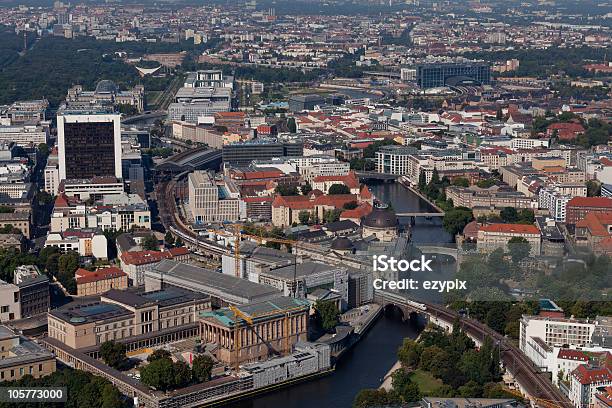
x,y
349,180
605,397
85,276
596,223
293,202
336,201
598,202
365,193
471,230
511,228
588,375
77,233
574,127
357,213
604,246
230,114
178,251
569,354
144,257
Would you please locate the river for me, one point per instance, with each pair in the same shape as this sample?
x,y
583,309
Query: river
x,y
367,363
403,200
362,367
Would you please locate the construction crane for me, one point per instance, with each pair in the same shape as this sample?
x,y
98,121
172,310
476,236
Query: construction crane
x,y
239,314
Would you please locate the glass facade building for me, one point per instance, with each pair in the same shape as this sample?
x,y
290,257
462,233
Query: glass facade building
x,y
432,75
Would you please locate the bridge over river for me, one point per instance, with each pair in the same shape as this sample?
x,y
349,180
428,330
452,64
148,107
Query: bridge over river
x,y
532,382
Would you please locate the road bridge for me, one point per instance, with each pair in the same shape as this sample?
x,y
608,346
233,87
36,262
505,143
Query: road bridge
x,y
440,250
532,382
372,175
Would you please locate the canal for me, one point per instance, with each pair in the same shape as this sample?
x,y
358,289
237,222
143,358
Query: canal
x,y
367,363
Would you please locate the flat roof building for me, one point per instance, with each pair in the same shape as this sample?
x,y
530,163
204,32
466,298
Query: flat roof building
x,y
119,315
451,73
224,289
20,356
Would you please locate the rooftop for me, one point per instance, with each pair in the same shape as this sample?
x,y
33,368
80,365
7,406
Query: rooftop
x,y
226,287
267,309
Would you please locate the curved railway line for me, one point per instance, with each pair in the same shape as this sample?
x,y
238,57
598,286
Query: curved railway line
x,y
534,381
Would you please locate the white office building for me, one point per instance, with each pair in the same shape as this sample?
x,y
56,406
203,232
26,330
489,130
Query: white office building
x,y
212,201
394,159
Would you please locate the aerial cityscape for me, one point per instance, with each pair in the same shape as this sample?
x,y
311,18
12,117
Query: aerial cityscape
x,y
310,203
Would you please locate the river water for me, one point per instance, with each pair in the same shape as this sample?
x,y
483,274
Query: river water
x,y
367,363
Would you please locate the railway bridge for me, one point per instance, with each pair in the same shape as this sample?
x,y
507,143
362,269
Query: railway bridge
x,y
533,383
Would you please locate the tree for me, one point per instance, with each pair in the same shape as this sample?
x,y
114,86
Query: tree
x,y
113,354
409,353
509,214
332,215
67,265
89,395
43,148
292,125
526,216
470,390
306,189
456,219
593,188
286,190
304,217
127,109
519,249
374,398
351,205
461,182
402,384
486,183
328,314
150,243
158,354
158,374
337,189
202,368
182,374
68,262
111,397
169,238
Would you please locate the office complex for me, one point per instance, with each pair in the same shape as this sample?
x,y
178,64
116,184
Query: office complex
x,y
107,93
202,94
89,145
24,135
212,201
299,103
394,159
243,153
462,72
